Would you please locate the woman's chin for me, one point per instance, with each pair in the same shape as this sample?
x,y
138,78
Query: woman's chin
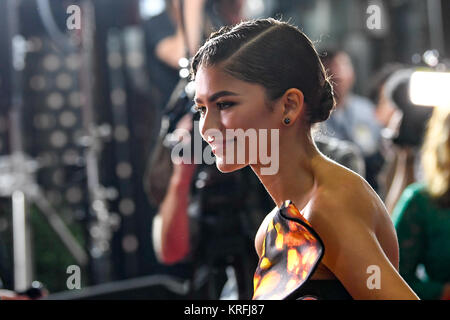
x,y
224,167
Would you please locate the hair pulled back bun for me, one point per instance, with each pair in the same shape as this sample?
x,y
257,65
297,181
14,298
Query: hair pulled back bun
x,y
325,105
276,55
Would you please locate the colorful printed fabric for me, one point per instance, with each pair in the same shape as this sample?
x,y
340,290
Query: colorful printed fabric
x,y
291,252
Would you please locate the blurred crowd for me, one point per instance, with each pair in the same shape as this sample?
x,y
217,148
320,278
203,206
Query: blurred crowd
x,y
401,149
206,221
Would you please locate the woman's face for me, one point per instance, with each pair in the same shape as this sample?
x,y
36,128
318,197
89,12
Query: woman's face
x,y
227,104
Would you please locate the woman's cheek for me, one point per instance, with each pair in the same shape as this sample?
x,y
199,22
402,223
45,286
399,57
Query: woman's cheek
x,y
231,120
237,120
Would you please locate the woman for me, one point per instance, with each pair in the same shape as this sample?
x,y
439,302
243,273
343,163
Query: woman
x,y
265,74
422,215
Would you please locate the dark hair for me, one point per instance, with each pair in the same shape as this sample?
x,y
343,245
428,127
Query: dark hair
x,y
274,54
379,79
413,126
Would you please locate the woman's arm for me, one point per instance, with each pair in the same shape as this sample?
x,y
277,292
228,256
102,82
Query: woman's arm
x,y
171,225
171,234
356,258
352,251
172,49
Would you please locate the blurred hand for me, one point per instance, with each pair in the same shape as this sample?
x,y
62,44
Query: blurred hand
x,y
446,292
171,49
188,6
11,295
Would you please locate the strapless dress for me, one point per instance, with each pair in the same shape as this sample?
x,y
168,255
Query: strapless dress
x,y
291,252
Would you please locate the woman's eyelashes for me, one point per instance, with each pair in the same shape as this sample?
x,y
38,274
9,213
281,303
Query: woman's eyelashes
x,y
224,105
220,106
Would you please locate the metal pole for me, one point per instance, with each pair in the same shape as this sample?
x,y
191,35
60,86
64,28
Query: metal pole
x,y
101,227
21,239
18,171
60,228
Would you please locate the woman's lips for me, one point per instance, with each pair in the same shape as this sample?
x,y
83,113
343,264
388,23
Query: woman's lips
x,y
218,148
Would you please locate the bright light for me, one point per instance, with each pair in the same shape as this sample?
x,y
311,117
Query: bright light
x,y
254,8
184,73
430,88
150,8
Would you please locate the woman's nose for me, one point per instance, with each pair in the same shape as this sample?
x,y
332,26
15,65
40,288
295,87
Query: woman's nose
x,y
209,122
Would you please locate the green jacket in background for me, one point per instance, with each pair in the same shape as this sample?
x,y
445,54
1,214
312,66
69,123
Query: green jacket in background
x,y
423,230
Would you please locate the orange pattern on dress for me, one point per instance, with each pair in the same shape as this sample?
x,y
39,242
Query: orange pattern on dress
x,y
291,252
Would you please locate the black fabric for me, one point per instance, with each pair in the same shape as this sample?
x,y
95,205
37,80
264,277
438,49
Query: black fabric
x,y
225,213
323,290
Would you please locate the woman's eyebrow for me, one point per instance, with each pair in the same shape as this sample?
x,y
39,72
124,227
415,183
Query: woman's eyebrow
x,y
216,96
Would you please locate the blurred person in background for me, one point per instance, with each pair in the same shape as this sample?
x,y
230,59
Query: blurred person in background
x,y
397,171
422,216
403,130
168,39
354,116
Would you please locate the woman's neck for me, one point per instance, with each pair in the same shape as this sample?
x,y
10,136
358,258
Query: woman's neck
x,y
295,179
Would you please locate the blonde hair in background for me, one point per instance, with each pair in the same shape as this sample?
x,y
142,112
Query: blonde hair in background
x,y
436,154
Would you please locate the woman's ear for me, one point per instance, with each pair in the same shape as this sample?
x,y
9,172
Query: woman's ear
x,y
293,102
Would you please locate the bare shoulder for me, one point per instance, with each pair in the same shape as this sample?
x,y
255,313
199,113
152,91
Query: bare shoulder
x,y
343,194
356,231
346,204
